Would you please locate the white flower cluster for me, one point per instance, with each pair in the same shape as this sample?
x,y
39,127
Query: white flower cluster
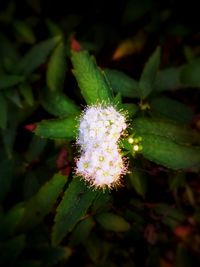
x,y
100,162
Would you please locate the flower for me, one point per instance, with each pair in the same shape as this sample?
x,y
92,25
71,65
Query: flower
x,y
100,162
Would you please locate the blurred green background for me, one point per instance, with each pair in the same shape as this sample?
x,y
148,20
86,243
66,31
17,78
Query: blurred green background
x,y
154,218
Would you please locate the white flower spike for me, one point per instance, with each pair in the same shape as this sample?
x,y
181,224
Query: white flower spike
x,y
101,163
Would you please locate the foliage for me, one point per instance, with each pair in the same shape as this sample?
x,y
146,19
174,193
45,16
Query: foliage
x,y
147,65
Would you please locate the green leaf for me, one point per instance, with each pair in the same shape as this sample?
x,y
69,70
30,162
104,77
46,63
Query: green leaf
x,y
25,113
8,138
178,29
149,74
26,91
36,56
172,109
82,231
6,175
138,181
169,79
95,248
40,204
11,249
91,80
36,148
117,99
170,216
164,151
135,10
8,51
24,32
57,129
102,202
112,222
9,133
7,80
189,53
177,180
136,218
190,74
171,130
131,108
31,184
54,28
124,144
50,256
76,200
14,96
3,111
59,104
122,83
57,68
10,220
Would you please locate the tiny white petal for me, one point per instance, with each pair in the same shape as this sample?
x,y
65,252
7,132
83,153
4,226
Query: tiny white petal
x,y
99,131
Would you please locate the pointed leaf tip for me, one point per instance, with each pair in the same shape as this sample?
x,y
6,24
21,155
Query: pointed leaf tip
x,y
30,127
75,45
